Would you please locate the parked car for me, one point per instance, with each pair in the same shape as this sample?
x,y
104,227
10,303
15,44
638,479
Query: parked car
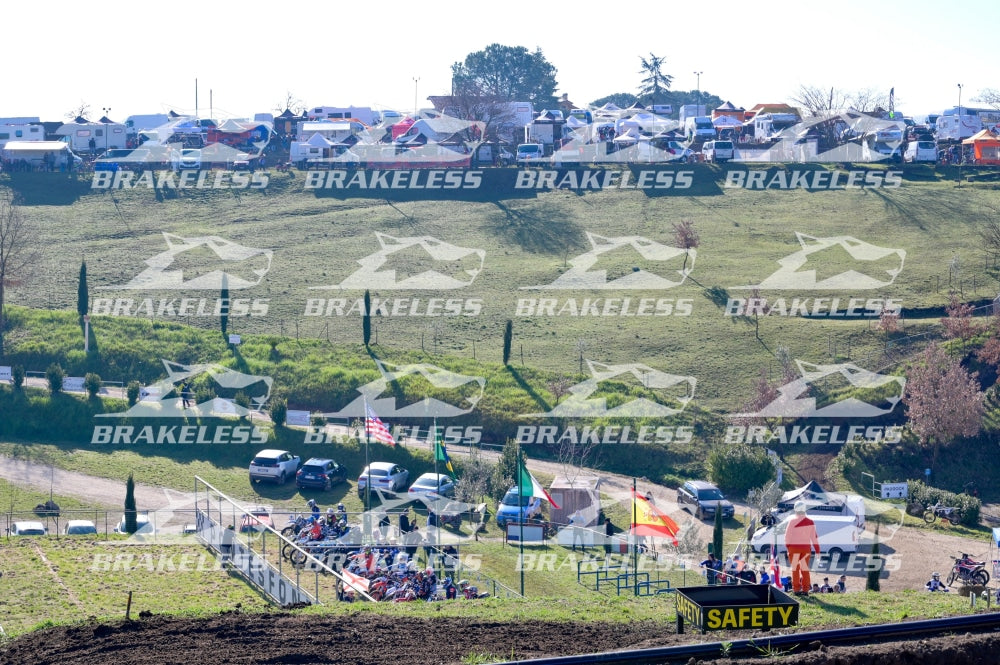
x,y
274,465
385,476
680,151
320,473
255,518
439,484
718,151
112,160
143,525
187,158
920,151
703,498
80,528
28,529
515,508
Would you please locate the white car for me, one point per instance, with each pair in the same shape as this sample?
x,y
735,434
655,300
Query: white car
x,y
274,465
436,484
143,525
385,476
80,528
28,529
188,158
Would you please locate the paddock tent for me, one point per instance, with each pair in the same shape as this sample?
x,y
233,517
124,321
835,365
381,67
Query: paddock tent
x,y
35,152
985,147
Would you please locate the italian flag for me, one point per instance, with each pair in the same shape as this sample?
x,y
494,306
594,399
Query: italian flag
x,y
528,486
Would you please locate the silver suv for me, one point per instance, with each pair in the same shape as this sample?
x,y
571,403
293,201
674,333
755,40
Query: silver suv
x,y
704,499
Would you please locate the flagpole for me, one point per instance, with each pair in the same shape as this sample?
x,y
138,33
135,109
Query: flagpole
x,y
521,511
366,525
437,479
635,541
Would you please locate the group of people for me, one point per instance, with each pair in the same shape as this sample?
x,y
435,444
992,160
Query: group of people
x,y
391,574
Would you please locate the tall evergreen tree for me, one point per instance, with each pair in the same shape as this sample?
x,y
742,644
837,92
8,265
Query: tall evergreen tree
x,y
717,533
366,319
508,337
874,566
82,295
224,307
131,524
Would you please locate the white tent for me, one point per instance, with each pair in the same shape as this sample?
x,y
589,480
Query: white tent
x,y
725,122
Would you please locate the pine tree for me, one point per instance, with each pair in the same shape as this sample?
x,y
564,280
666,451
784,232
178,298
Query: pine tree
x,y
874,566
508,336
366,319
82,295
717,534
224,307
131,524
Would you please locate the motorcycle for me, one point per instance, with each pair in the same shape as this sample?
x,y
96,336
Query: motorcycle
x,y
294,525
952,514
968,571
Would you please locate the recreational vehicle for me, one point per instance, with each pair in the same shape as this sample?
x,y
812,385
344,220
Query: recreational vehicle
x,y
93,137
837,535
21,132
363,114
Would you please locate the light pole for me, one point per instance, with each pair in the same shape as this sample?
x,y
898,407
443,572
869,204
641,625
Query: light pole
x,y
416,82
961,124
107,116
698,74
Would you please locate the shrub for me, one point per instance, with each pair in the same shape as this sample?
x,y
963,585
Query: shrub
x,y
132,392
55,375
17,377
279,411
928,496
739,468
242,399
92,382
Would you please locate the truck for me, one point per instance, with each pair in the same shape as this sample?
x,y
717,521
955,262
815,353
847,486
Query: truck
x,y
690,111
699,128
838,534
547,133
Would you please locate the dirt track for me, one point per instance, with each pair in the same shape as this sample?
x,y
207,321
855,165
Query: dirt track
x,y
365,639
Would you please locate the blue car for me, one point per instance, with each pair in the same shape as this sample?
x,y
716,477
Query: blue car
x,y
514,508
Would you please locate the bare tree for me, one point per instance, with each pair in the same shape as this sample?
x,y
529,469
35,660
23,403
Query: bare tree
x,y
686,238
581,348
290,102
80,110
989,96
18,251
958,323
943,400
817,100
559,388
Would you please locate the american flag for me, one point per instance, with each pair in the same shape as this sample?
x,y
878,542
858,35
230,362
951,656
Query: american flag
x,y
376,429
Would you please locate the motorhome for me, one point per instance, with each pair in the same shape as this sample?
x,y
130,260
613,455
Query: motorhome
x,y
21,132
360,113
837,534
690,111
93,137
766,126
957,123
699,128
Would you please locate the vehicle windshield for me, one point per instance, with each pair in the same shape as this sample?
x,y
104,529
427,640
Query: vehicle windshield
x,y
710,495
725,145
511,499
264,461
528,149
426,482
312,468
378,472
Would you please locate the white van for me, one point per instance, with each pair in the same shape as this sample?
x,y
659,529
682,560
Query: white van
x,y
718,151
920,151
837,535
530,153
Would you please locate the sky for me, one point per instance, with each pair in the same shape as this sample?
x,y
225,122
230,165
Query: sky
x,y
144,57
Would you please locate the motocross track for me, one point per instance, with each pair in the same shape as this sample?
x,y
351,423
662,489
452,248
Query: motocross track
x,y
367,639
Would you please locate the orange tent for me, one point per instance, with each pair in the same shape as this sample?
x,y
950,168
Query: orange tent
x,y
985,147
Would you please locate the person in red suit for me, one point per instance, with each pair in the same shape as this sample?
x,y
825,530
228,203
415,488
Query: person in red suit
x,y
801,541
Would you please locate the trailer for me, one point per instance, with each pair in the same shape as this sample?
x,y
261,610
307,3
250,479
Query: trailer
x,y
93,137
21,132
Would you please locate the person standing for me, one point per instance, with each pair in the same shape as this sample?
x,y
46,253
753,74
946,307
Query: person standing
x,y
801,541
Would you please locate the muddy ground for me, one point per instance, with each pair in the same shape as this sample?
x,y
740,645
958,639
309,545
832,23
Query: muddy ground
x,y
366,639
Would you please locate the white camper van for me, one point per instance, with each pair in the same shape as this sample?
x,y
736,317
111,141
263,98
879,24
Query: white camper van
x,y
837,535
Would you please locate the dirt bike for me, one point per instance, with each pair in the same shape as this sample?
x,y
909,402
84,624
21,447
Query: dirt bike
x,y
968,571
952,514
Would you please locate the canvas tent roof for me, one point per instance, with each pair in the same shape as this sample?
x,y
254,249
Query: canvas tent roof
x,y
726,121
728,106
810,490
984,135
36,146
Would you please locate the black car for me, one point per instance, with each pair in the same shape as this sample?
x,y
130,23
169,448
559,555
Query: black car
x,y
704,498
320,474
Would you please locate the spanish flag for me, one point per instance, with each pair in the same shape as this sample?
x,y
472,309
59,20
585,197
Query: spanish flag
x,y
647,520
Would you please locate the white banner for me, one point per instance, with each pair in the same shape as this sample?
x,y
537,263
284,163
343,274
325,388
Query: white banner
x,y
234,339
895,490
73,384
220,405
295,417
5,373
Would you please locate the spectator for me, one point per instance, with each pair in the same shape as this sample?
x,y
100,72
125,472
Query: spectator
x,y
841,585
609,529
764,577
575,522
404,522
711,565
801,540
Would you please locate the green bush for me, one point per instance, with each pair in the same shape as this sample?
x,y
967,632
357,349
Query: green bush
x,y
279,411
92,382
132,392
17,377
739,468
55,375
928,496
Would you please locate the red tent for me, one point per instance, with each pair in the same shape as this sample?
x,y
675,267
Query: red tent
x,y
985,147
402,127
